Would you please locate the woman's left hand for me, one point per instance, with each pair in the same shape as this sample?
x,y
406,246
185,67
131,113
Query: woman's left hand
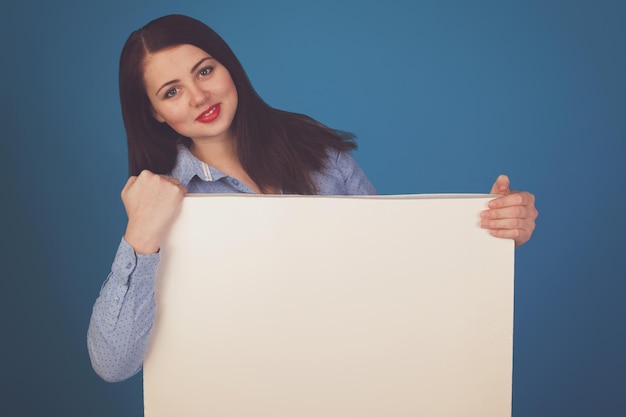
x,y
511,216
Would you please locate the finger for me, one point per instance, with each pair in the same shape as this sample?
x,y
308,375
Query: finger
x,y
520,236
509,212
515,198
146,173
501,186
181,189
129,183
507,224
176,182
170,179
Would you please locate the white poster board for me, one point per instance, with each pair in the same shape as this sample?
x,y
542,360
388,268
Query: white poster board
x,y
292,306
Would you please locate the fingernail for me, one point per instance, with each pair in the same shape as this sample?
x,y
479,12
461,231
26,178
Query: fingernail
x,y
485,214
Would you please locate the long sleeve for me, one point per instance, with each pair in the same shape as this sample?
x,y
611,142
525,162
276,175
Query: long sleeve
x,y
122,315
356,182
342,176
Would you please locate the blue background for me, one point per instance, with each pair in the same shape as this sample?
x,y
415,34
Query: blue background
x,y
443,95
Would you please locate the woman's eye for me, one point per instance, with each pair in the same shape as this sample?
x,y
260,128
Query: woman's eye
x,y
171,92
205,71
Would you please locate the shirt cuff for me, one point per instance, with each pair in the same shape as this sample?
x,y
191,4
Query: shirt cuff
x,y
128,263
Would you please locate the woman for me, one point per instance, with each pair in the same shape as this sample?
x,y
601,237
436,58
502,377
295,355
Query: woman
x,y
195,124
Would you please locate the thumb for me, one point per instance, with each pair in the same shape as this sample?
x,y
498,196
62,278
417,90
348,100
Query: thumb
x,y
501,186
129,183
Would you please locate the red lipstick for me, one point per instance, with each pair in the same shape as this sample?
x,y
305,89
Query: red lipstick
x,y
209,114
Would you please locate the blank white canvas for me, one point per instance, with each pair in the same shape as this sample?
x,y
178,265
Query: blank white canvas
x,y
292,306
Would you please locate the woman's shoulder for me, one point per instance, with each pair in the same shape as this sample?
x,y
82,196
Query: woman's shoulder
x,y
342,175
187,165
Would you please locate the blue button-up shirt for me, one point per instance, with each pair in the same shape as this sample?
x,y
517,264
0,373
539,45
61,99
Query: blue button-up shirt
x,y
123,313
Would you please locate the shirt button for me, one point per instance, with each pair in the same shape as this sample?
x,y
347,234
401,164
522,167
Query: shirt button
x,y
129,265
235,182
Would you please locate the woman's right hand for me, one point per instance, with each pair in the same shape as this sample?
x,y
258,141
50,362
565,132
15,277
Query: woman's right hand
x,y
152,202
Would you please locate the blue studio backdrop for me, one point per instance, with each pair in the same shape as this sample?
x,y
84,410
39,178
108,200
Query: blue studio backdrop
x,y
443,95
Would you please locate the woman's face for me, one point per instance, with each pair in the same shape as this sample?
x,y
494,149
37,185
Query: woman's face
x,y
191,92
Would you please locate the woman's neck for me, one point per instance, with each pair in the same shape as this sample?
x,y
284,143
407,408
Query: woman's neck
x,y
219,153
222,155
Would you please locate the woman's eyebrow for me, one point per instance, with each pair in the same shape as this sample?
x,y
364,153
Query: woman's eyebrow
x,y
165,85
193,69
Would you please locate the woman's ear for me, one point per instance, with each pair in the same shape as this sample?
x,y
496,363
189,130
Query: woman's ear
x,y
156,115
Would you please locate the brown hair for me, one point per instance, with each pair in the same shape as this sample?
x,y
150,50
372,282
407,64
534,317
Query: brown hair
x,y
276,148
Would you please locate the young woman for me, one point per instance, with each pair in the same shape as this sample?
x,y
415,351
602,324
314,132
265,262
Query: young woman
x,y
195,124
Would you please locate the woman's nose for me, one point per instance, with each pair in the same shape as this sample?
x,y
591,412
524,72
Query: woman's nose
x,y
198,96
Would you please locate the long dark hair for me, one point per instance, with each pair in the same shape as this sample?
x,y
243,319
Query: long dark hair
x,y
276,148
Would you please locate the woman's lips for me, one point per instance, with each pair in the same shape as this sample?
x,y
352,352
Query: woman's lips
x,y
209,114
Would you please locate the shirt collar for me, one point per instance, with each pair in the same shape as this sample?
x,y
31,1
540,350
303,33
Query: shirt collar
x,y
188,166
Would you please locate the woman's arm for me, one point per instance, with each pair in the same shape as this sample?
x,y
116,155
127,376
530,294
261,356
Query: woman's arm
x,y
122,316
354,178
